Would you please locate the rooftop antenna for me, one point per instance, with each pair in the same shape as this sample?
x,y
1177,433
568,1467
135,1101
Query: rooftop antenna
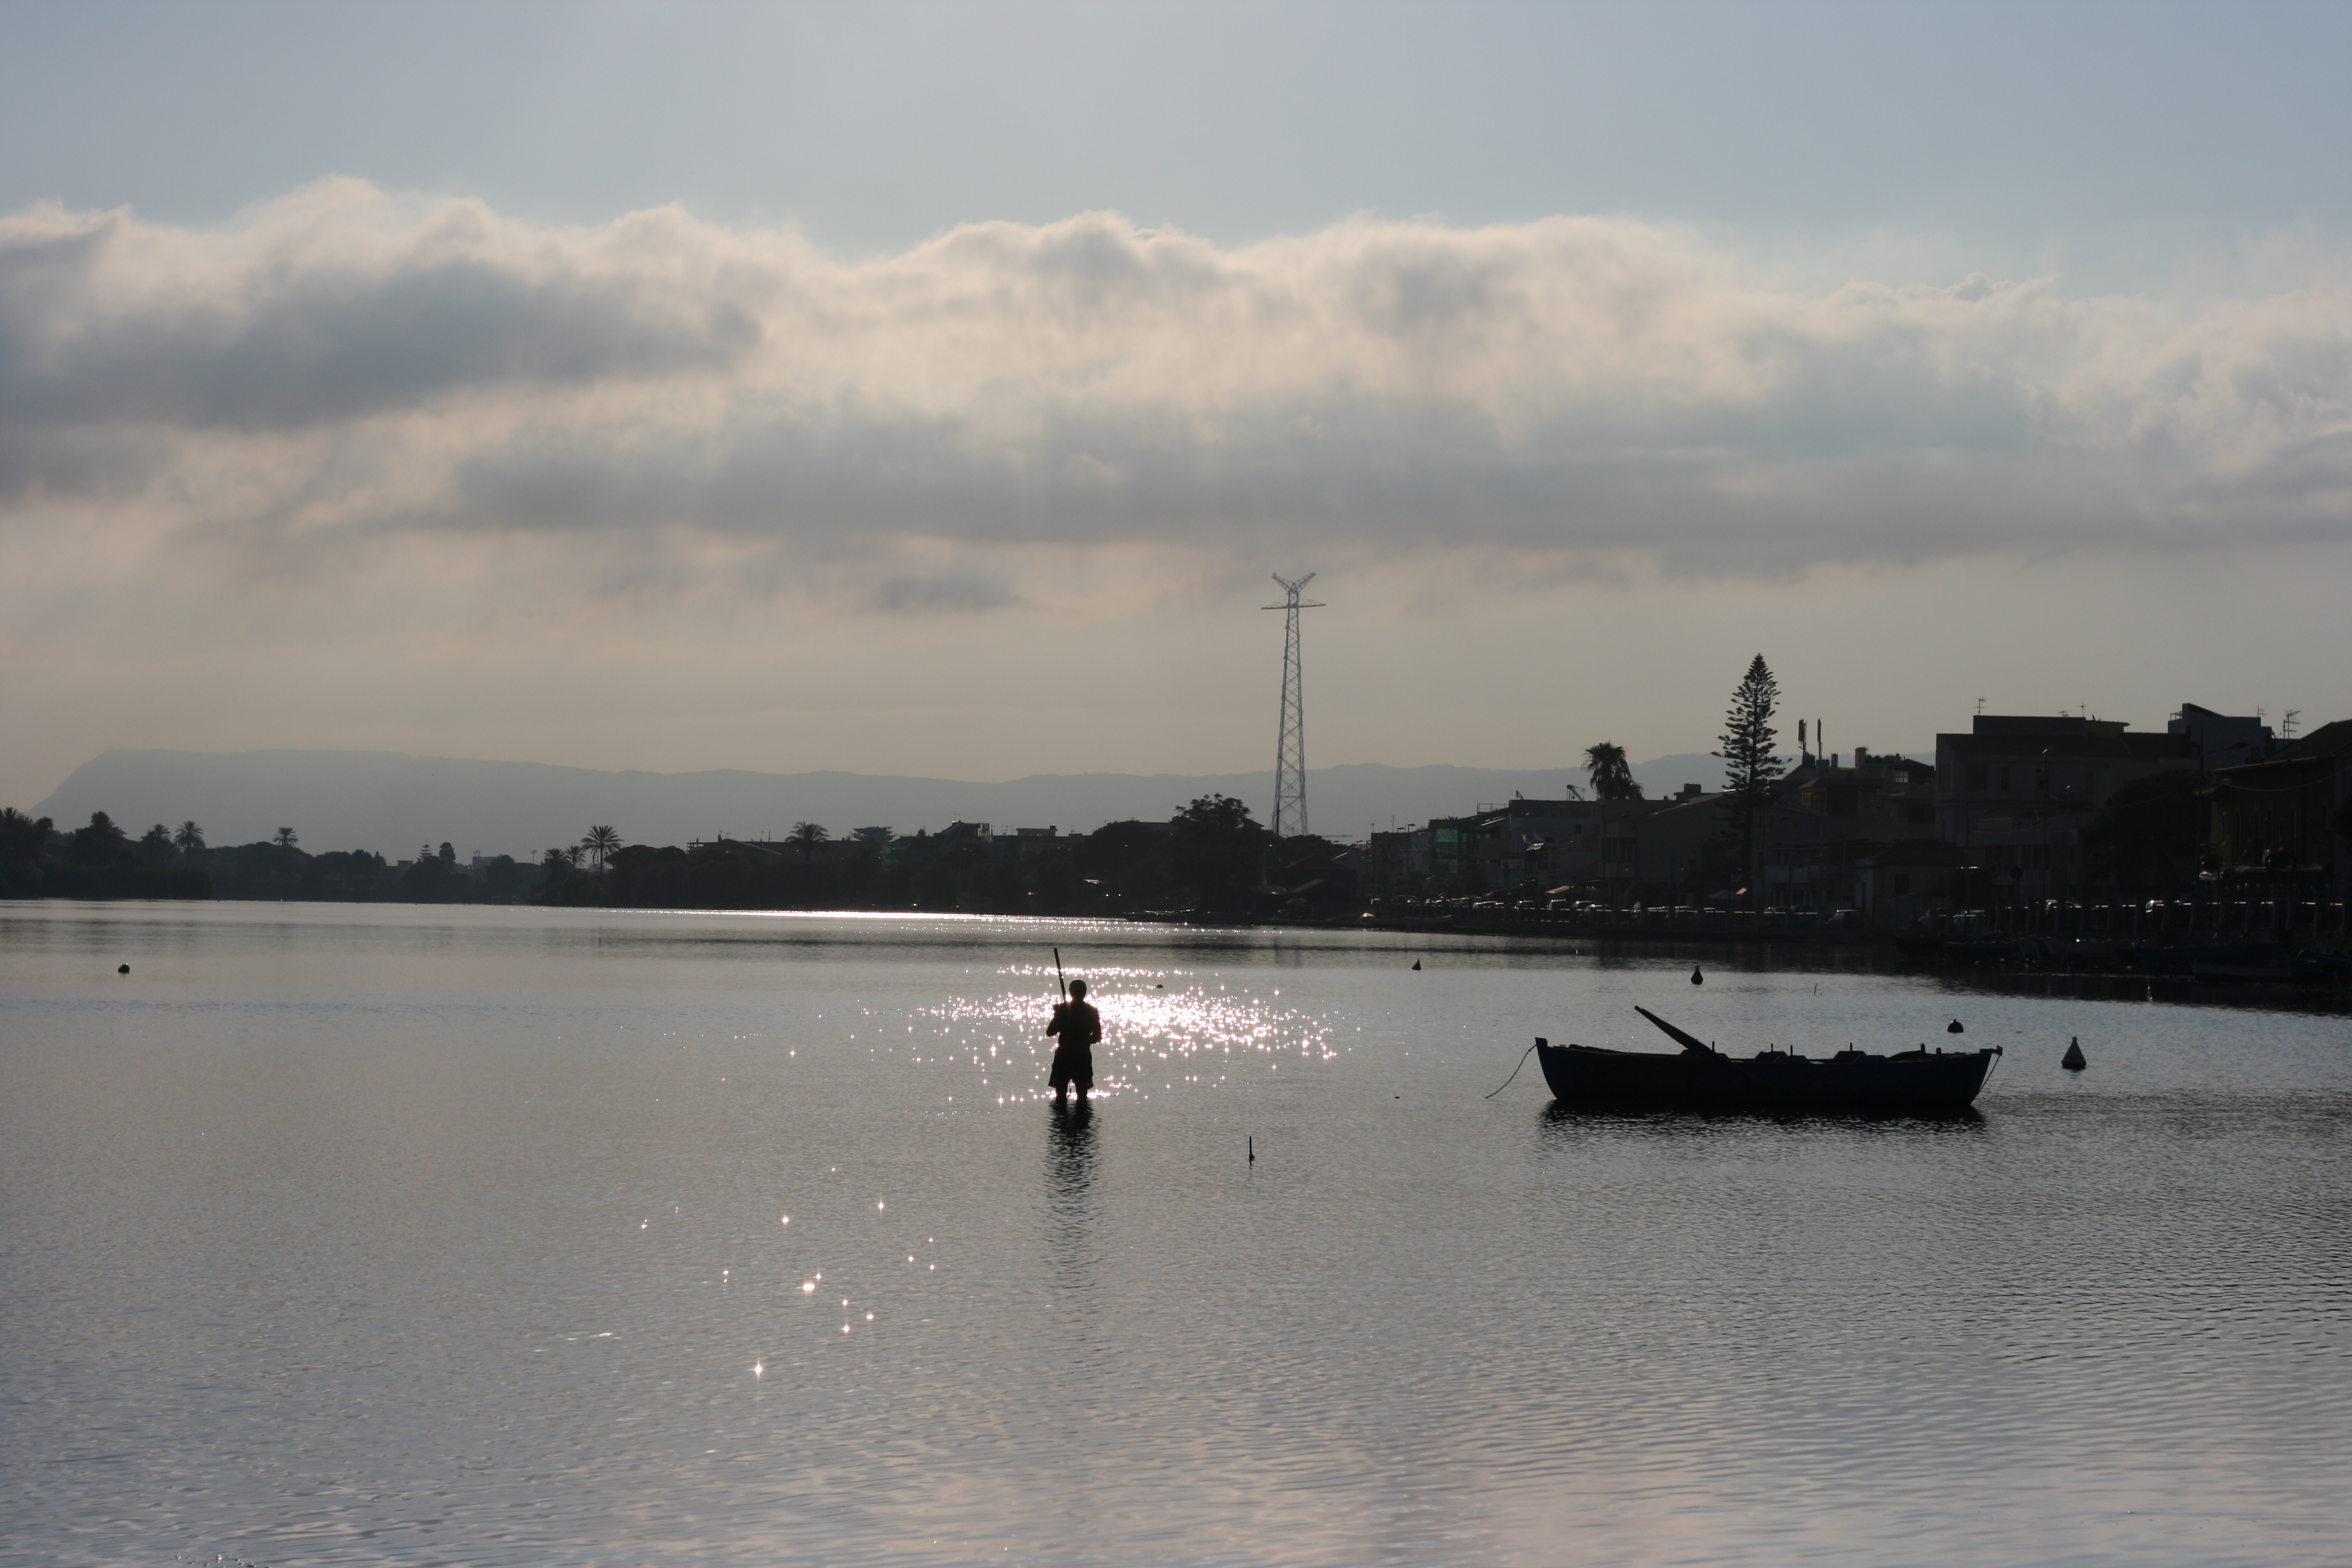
x,y
1290,748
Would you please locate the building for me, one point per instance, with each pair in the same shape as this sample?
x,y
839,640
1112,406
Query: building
x,y
1829,820
2015,792
1520,843
2281,821
2219,741
1897,884
1398,861
1684,847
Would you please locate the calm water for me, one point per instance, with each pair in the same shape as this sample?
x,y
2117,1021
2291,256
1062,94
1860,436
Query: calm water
x,y
340,1235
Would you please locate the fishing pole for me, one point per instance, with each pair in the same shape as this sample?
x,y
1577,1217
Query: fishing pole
x,y
1057,974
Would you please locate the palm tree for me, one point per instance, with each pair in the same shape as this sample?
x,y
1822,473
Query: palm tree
x,y
1613,779
286,838
601,842
808,835
190,838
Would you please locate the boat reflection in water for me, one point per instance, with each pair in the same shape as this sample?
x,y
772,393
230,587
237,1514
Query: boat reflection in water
x,y
1913,1082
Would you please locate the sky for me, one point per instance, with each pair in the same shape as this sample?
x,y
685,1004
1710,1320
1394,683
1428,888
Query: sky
x,y
934,389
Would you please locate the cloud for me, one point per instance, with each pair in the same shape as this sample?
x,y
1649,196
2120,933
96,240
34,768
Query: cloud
x,y
958,591
343,367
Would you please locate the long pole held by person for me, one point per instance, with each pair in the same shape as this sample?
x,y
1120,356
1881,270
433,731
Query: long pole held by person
x,y
1058,975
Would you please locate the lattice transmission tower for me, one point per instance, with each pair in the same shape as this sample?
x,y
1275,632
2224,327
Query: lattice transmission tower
x,y
1290,751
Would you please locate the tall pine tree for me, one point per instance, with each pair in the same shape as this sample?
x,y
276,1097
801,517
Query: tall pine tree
x,y
1752,774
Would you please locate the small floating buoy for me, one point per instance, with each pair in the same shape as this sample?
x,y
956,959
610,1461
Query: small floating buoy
x,y
1697,978
1416,963
1954,1027
2074,1060
124,969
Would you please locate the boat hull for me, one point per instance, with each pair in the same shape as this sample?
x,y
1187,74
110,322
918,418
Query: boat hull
x,y
1911,1083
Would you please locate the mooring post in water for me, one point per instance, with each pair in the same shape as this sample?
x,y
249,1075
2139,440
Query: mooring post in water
x,y
1253,1149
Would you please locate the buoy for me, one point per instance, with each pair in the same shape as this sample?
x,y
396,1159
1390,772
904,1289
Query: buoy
x,y
1697,978
1416,963
2074,1060
1954,1027
1253,1150
125,969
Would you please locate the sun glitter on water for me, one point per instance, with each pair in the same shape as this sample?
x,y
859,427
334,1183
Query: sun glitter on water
x,y
1163,1030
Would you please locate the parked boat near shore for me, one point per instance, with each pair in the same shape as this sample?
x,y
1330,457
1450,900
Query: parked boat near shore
x,y
1920,1081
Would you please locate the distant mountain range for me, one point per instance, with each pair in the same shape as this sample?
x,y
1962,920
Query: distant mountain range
x,y
392,803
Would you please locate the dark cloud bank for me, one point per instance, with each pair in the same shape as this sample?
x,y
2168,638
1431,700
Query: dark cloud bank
x,y
346,363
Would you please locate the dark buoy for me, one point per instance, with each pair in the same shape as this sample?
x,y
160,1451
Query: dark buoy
x,y
1697,978
1954,1027
2074,1060
123,969
1253,1150
1416,963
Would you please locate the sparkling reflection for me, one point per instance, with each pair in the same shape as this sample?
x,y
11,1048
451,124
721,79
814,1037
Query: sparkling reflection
x,y
1160,1029
1072,1156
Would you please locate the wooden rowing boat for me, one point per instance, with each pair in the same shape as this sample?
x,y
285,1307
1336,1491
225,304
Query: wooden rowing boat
x,y
1919,1082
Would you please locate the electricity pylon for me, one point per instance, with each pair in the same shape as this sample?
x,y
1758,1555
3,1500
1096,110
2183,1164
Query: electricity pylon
x,y
1290,751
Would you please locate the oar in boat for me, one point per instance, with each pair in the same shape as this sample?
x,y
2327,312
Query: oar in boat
x,y
1689,1042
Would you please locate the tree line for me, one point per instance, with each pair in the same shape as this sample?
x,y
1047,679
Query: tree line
x,y
97,860
1211,856
101,860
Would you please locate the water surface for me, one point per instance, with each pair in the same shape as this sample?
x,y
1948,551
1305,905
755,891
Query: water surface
x,y
389,1235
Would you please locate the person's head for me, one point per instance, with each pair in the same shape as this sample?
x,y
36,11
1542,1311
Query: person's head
x,y
1077,990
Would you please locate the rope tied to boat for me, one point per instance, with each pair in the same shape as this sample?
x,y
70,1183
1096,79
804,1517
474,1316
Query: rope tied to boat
x,y
1515,1071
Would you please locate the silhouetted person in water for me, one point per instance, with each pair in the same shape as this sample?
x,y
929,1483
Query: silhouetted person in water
x,y
1079,1026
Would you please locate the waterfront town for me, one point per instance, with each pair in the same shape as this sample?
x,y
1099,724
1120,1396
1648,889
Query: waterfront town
x,y
2213,822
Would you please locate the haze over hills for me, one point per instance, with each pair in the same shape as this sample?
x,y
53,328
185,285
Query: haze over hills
x,y
391,802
